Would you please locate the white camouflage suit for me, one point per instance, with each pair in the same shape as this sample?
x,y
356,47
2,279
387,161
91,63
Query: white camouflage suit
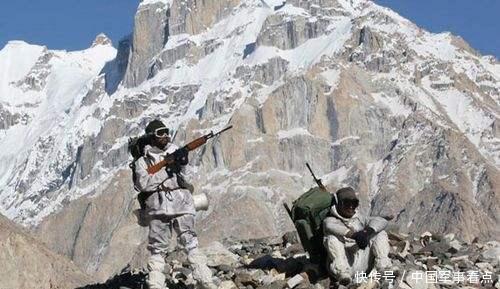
x,y
170,209
344,255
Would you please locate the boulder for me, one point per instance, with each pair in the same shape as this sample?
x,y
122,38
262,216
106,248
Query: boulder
x,y
218,255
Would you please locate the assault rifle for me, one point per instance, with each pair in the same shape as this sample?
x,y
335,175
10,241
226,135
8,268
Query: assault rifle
x,y
318,181
171,158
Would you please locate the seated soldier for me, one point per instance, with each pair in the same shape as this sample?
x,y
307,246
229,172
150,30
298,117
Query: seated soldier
x,y
353,240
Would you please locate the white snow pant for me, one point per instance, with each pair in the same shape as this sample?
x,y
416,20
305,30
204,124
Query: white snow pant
x,y
345,260
160,234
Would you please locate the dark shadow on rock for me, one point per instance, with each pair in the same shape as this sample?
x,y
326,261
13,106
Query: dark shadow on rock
x,y
142,218
137,280
179,285
279,6
290,266
249,48
115,69
125,280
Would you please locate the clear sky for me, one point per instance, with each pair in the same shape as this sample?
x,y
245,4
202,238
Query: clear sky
x,y
65,24
73,24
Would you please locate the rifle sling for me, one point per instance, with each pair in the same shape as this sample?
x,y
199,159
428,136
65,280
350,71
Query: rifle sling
x,y
146,194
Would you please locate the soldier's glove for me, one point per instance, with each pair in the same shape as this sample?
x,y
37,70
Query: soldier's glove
x,y
371,232
181,156
362,238
173,169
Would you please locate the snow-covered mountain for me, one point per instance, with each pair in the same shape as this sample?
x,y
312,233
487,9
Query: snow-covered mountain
x,y
41,93
407,117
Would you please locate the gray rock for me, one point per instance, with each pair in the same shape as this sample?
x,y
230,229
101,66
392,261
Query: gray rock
x,y
279,284
149,37
101,39
273,277
227,285
455,246
492,253
20,251
294,281
287,32
485,267
292,250
183,273
7,118
36,79
291,238
225,268
414,282
258,274
246,280
218,255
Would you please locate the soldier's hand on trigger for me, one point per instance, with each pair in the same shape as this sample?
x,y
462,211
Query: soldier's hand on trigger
x,y
173,169
181,156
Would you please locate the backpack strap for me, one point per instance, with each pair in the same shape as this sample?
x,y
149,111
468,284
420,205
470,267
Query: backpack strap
x,y
131,165
143,195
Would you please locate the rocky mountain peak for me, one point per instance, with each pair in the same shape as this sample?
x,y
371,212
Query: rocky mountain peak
x,y
101,39
163,2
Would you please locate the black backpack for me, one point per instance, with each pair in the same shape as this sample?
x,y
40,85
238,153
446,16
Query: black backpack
x,y
136,149
136,146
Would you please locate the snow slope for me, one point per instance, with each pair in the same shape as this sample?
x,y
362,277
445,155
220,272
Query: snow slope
x,y
65,77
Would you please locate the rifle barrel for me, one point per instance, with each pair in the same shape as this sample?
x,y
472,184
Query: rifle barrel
x,y
311,171
318,181
229,127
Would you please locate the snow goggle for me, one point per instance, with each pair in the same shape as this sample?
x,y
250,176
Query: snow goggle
x,y
161,132
349,203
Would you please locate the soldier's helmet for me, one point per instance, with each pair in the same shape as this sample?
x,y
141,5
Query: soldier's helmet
x,y
157,128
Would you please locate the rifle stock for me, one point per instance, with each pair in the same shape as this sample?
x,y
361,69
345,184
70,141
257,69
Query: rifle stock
x,y
158,166
169,159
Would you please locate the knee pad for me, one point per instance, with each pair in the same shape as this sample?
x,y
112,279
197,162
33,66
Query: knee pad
x,y
156,263
156,280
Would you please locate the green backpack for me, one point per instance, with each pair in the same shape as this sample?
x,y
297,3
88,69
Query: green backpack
x,y
307,214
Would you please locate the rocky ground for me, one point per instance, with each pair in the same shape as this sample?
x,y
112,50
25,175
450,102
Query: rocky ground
x,y
25,262
426,261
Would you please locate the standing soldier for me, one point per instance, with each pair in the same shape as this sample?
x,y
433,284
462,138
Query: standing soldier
x,y
169,204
